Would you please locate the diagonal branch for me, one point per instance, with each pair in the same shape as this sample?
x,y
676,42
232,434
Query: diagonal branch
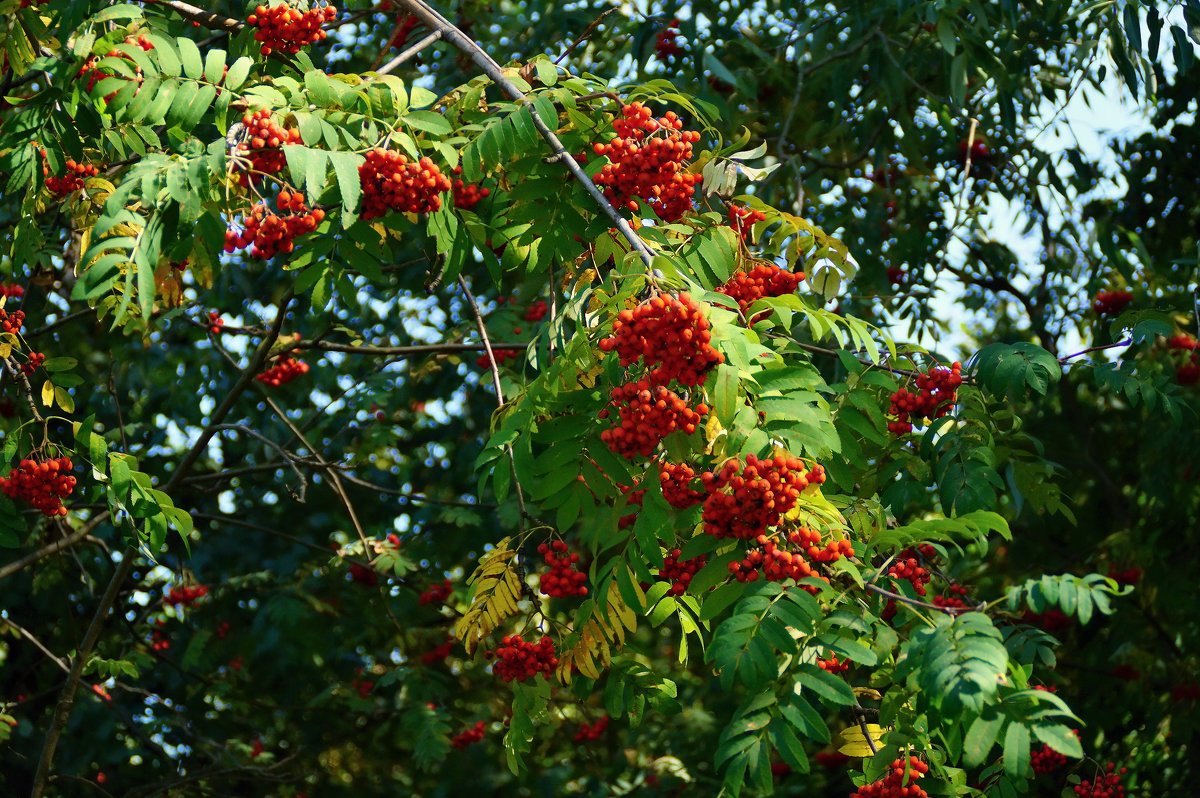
x,y
494,71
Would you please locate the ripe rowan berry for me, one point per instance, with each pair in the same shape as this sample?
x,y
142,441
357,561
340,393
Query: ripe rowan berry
x,y
666,44
536,311
647,414
185,595
436,593
11,322
833,664
670,334
285,369
910,565
364,575
268,233
262,146
502,356
679,572
647,162
743,219
677,487
589,733
405,24
1052,620
467,195
469,736
438,653
285,28
937,391
12,290
1111,303
1104,785
893,784
32,363
764,280
391,182
43,484
517,660
564,579
216,325
72,181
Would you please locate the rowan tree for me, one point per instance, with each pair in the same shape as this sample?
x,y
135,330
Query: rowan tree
x,y
545,398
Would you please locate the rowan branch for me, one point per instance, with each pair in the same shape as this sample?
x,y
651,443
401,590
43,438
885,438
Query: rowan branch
x,y
208,19
53,548
494,71
409,53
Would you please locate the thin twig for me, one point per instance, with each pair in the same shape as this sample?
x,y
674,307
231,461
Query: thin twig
x,y
52,548
587,32
1099,348
206,18
409,53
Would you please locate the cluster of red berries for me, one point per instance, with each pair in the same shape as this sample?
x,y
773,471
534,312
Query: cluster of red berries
x,y
438,653
11,322
405,24
892,785
1111,303
956,600
937,391
1187,373
72,181
267,233
978,150
1105,785
536,311
469,736
216,325
764,280
833,664
12,290
467,195
742,219
647,415
159,640
1046,760
391,182
263,145
518,659
364,575
41,483
590,732
564,579
363,687
32,363
670,334
1052,620
666,44
744,500
647,162
502,356
636,497
284,370
95,75
185,595
777,564
679,572
910,564
677,487
436,593
286,29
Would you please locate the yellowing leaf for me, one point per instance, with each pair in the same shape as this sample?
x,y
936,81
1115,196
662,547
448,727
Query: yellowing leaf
x,y
48,393
852,741
868,692
497,591
5,351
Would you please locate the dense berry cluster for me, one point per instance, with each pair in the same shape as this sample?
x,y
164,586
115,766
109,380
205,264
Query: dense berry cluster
x,y
910,565
185,595
90,67
764,280
647,162
268,233
666,42
364,575
159,641
955,600
263,145
518,659
1046,760
636,497
893,784
590,732
437,593
41,483
744,500
833,664
467,195
284,28
502,356
670,334
72,181
777,564
12,290
1188,372
391,182
469,736
1052,620
32,363
647,414
216,325
285,369
405,24
12,322
743,219
679,572
937,391
536,311
1105,785
564,579
1111,303
677,487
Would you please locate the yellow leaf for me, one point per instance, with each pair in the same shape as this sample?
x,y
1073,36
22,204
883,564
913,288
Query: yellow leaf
x,y
48,393
5,351
64,399
868,692
854,743
497,591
